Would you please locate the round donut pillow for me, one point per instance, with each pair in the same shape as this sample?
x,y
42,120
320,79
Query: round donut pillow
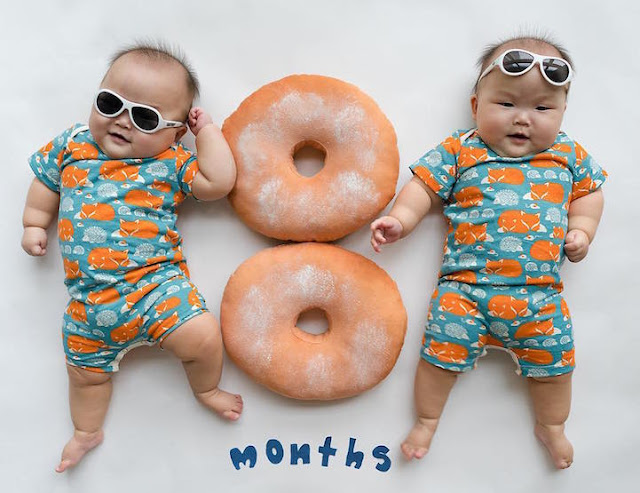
x,y
360,168
265,296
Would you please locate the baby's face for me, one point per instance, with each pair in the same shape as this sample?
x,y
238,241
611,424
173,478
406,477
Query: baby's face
x,y
518,116
155,83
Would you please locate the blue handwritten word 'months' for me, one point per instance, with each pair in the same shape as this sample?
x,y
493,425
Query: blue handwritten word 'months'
x,y
274,452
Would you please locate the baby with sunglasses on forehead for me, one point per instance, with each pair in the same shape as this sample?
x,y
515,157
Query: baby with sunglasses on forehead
x,y
518,196
115,185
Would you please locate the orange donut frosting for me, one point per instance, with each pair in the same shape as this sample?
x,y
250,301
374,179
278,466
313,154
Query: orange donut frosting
x,y
265,296
360,168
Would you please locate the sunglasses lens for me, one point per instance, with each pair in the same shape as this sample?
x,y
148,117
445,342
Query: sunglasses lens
x,y
107,103
145,118
516,61
557,70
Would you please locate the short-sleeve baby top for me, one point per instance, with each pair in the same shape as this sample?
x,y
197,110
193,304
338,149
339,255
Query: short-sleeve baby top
x,y
117,218
507,217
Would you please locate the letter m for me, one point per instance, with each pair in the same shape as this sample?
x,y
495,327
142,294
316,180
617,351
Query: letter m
x,y
249,455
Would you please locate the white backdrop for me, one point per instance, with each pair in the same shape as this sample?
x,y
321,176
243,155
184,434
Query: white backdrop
x,y
416,59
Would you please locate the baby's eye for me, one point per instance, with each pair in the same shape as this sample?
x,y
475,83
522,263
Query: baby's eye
x,y
542,108
505,104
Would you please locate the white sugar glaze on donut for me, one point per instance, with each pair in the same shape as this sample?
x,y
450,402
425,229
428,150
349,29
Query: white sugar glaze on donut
x,y
265,297
361,162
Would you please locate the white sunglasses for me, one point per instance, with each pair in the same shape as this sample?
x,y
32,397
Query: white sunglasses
x,y
145,118
514,62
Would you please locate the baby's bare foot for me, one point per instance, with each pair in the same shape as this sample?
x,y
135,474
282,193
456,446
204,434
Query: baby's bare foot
x,y
417,443
560,448
75,449
227,405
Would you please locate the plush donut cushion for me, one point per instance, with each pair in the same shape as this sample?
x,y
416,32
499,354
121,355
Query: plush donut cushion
x,y
265,296
360,166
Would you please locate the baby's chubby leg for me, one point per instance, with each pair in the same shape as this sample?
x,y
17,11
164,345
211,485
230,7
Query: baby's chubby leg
x,y
551,397
89,396
431,390
198,344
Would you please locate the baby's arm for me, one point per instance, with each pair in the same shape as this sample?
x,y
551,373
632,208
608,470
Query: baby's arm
x,y
413,202
584,216
217,167
39,211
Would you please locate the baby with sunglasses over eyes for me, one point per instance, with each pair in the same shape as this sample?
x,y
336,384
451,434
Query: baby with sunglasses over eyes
x,y
519,196
115,185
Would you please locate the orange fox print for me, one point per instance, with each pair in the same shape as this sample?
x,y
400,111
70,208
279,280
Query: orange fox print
x,y
82,150
518,221
142,198
79,344
72,176
451,145
448,352
549,192
536,328
138,229
581,154
548,161
568,358
167,305
65,230
190,173
194,300
537,356
77,311
185,270
545,250
458,305
161,326
471,155
132,298
509,176
564,309
549,309
560,147
427,176
582,187
108,259
469,233
467,276
540,280
119,171
71,268
161,186
172,237
127,331
134,276
558,232
108,295
508,307
97,212
504,267
492,341
469,197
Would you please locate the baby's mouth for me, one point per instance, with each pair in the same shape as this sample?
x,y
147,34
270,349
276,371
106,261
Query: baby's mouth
x,y
518,137
119,137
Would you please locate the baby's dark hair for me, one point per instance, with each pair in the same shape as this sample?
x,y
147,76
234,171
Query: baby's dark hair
x,y
490,52
158,50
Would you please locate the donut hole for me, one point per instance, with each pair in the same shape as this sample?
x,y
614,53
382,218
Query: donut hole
x,y
308,158
311,323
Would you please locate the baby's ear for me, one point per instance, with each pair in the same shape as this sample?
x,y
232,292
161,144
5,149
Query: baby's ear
x,y
474,105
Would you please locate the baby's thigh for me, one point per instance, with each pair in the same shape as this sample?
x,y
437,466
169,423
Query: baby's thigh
x,y
456,331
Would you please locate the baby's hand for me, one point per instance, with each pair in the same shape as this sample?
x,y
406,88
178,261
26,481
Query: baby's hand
x,y
198,119
34,241
576,245
386,229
